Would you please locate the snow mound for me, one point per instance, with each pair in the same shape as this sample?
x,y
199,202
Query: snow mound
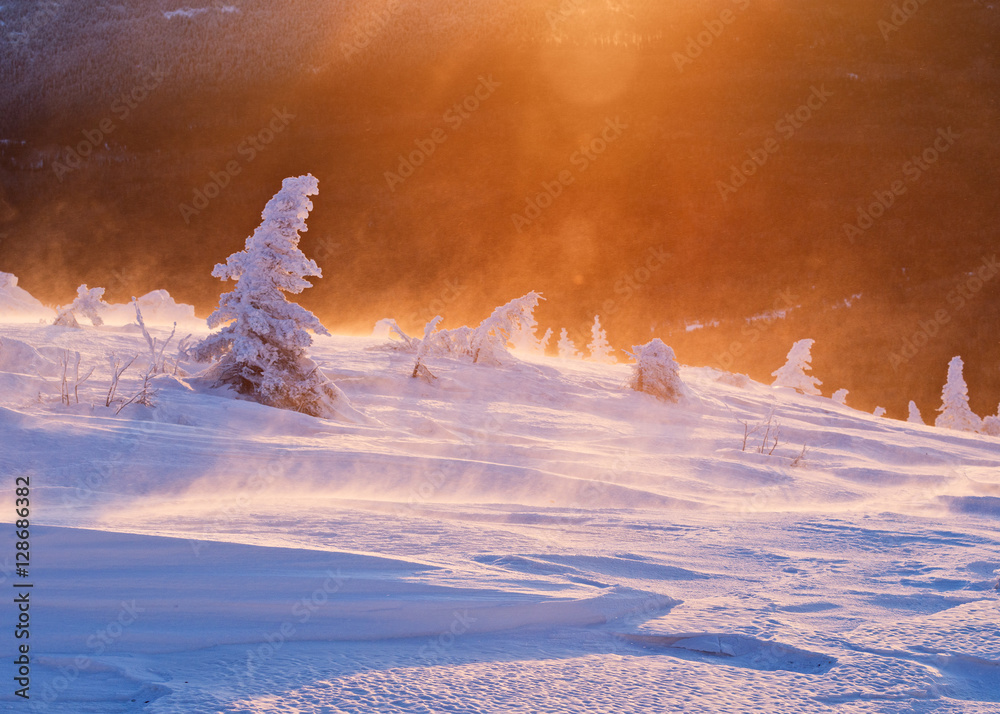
x,y
158,308
18,305
21,358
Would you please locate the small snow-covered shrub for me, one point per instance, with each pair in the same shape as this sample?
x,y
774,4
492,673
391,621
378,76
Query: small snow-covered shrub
x,y
157,363
489,341
879,411
656,371
741,381
118,366
261,348
954,410
793,373
914,417
991,424
89,303
840,396
419,368
72,383
486,344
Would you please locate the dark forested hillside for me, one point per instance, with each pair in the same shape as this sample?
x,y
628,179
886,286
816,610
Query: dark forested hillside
x,y
660,165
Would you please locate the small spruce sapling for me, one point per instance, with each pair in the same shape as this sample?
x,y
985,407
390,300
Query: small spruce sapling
x,y
793,373
599,347
954,410
261,348
567,348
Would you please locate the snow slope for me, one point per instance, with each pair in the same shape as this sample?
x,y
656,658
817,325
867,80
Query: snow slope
x,y
532,538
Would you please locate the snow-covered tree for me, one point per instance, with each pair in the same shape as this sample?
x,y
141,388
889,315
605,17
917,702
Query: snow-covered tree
x,y
954,410
567,348
419,368
599,348
525,339
840,396
991,424
88,303
488,343
793,373
656,371
915,417
65,316
261,349
879,411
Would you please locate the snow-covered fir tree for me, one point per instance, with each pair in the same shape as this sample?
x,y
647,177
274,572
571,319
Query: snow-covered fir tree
x,y
793,373
954,410
599,347
261,349
915,416
567,348
656,371
840,396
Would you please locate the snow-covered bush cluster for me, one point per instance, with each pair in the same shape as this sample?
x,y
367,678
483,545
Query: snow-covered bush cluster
x,y
488,343
656,371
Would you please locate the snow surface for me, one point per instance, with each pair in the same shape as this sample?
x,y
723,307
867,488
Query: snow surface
x,y
18,305
528,538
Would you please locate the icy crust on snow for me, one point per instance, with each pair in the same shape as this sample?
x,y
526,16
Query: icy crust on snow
x,y
538,525
18,305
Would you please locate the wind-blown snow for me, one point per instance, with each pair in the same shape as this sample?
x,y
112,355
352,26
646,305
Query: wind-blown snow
x,y
534,537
